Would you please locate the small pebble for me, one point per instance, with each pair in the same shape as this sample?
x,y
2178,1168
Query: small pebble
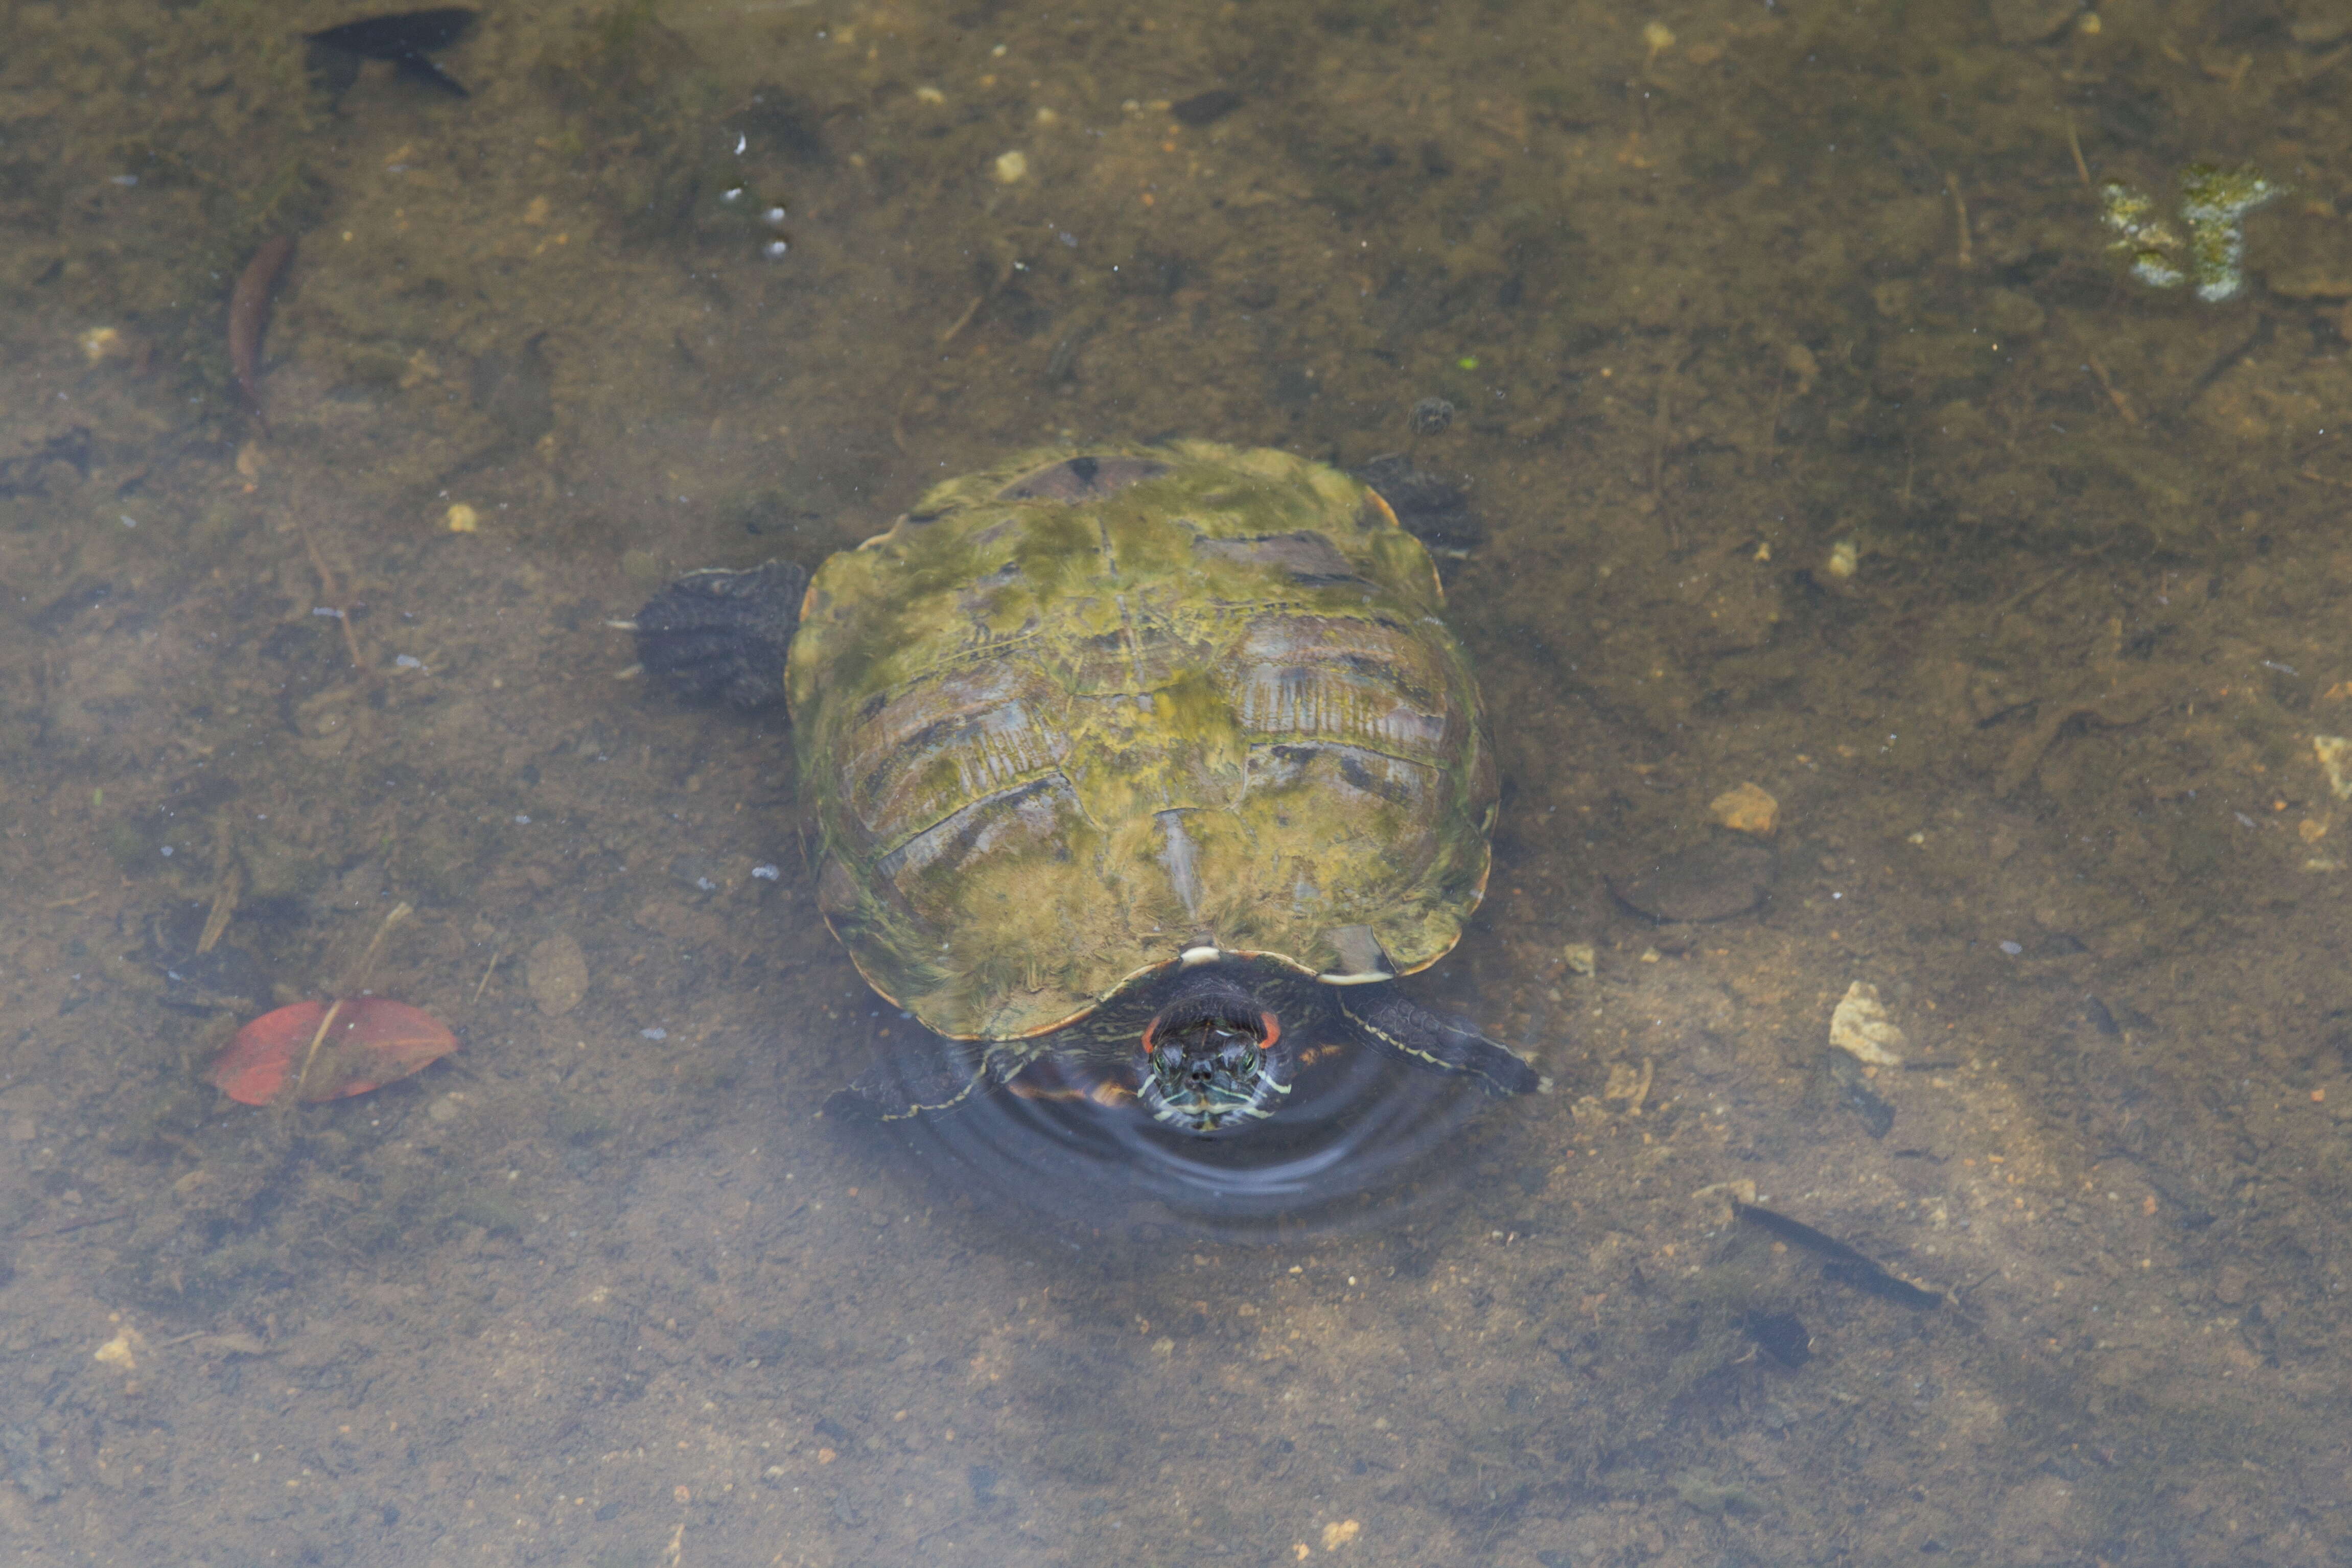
x,y
2011,949
1009,168
556,971
766,872
462,518
654,1033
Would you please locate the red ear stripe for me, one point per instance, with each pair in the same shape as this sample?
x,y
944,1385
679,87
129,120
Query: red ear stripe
x,y
1149,1030
1273,1030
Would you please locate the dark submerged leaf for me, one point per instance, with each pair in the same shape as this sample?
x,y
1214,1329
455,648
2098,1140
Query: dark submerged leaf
x,y
404,38
399,35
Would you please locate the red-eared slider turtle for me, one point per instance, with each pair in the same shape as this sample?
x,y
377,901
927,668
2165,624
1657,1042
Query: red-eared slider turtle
x,y
1152,761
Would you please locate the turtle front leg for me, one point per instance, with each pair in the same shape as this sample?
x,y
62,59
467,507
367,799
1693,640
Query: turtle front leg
x,y
722,633
1382,1016
926,1077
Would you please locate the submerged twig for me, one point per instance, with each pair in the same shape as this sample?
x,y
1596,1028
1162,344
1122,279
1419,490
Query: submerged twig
x,y
487,973
329,591
1960,206
365,968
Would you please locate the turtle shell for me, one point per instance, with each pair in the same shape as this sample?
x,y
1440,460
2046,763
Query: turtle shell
x,y
1078,718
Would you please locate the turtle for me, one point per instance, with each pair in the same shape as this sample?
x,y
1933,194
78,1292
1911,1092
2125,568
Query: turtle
x,y
1152,761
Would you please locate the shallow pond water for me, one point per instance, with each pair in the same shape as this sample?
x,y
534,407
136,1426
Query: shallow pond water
x,y
1821,442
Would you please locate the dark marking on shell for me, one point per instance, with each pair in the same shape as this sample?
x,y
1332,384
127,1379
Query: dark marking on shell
x,y
1077,479
1313,559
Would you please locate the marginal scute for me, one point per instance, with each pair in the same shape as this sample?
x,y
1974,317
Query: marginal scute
x,y
1098,712
1361,958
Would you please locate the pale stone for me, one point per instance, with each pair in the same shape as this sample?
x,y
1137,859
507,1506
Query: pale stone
x,y
1746,809
1860,1027
557,973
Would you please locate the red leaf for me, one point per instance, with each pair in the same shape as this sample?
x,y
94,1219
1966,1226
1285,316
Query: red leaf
x,y
368,1042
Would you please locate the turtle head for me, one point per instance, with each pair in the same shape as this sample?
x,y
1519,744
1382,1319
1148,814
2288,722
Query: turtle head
x,y
1211,1058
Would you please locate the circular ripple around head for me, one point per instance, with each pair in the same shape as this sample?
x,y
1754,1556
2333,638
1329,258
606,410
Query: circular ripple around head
x,y
1361,1139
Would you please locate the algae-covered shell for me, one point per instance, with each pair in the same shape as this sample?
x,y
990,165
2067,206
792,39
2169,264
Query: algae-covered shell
x,y
1077,715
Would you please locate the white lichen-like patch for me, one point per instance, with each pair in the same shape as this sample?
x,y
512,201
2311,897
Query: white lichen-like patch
x,y
2214,203
2334,753
1861,1029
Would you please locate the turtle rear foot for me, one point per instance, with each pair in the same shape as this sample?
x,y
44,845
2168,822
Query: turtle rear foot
x,y
1385,1018
714,635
